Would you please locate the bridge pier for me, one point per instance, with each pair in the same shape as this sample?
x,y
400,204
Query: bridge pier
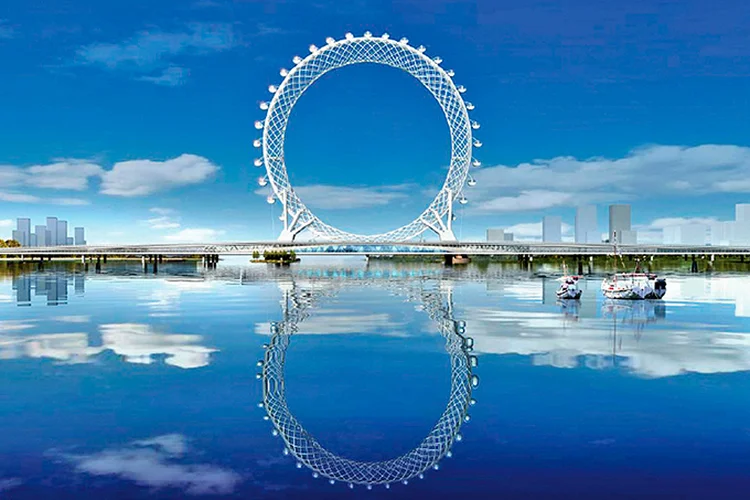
x,y
694,266
156,265
580,265
98,267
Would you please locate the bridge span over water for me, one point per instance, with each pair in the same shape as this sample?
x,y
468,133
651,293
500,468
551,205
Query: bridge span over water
x,y
524,249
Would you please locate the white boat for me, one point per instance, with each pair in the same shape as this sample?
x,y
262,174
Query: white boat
x,y
634,286
569,287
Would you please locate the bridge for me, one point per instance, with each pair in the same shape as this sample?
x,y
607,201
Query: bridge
x,y
446,248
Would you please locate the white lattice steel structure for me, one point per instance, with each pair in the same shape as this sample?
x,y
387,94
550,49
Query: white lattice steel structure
x,y
437,302
438,216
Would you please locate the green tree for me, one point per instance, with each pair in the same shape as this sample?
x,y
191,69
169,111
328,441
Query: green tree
x,y
12,244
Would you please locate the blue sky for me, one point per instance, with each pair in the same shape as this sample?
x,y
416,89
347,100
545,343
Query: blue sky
x,y
135,119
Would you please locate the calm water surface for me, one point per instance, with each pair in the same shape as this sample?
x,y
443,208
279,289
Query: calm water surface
x,y
124,385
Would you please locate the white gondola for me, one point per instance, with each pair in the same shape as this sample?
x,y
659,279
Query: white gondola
x,y
476,163
272,89
471,182
262,181
475,125
463,200
258,124
256,143
296,59
271,199
477,143
258,162
469,106
451,73
437,60
283,71
330,40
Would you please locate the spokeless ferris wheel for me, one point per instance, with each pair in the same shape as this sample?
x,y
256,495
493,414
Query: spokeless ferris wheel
x,y
438,216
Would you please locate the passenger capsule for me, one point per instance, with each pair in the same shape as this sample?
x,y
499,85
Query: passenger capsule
x,y
272,89
451,73
296,59
475,125
368,34
469,106
258,162
258,124
271,200
404,40
474,381
476,163
437,60
471,182
421,48
463,200
349,36
256,143
283,71
477,143
262,181
330,40
461,89
385,36
313,48
263,105
473,361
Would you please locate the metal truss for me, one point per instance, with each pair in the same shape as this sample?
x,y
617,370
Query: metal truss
x,y
438,216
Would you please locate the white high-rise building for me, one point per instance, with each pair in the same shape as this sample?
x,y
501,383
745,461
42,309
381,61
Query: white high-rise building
x,y
23,236
587,228
552,229
41,236
619,225
52,228
686,234
741,224
496,235
79,237
62,232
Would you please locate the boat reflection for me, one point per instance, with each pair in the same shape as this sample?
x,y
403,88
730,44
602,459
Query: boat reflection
x,y
436,299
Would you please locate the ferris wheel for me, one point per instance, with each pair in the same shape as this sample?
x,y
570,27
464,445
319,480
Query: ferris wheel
x,y
296,216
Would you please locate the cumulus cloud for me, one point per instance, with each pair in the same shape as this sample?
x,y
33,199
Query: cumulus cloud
x,y
153,463
67,174
162,222
194,235
6,223
143,177
149,53
670,170
327,197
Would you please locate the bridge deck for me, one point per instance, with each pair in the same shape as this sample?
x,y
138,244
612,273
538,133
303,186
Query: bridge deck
x,y
338,248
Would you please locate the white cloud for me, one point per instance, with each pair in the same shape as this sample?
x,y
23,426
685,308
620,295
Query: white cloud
x,y
143,177
161,211
28,198
169,77
12,482
68,174
344,198
151,463
150,52
670,170
526,200
6,223
6,32
663,222
163,222
194,235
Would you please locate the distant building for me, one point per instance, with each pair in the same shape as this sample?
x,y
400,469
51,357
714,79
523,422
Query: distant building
x,y
52,228
686,234
587,228
495,235
619,225
42,236
69,240
23,231
552,229
32,240
721,233
741,228
508,236
79,236
62,232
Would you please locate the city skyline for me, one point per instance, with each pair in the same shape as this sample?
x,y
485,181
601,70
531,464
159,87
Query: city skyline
x,y
159,108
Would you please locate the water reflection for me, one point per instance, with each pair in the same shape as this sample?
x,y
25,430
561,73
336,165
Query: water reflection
x,y
436,300
52,286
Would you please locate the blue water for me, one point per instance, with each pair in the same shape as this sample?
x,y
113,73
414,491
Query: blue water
x,y
124,385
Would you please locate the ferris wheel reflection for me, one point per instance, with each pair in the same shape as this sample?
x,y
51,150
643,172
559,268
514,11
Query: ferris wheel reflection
x,y
436,299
